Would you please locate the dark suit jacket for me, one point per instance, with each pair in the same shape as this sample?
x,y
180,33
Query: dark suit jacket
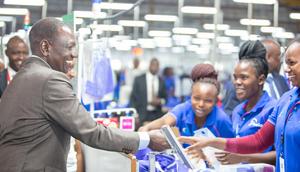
x,y
3,81
280,83
39,112
138,98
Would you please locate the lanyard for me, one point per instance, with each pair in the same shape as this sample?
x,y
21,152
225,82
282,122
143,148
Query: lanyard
x,y
288,116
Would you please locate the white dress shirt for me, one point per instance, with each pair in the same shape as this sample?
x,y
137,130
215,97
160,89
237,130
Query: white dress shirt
x,y
151,79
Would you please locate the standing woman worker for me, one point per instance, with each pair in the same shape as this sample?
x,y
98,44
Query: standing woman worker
x,y
283,126
201,110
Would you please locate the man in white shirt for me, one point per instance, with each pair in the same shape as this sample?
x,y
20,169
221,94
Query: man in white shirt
x,y
17,51
149,94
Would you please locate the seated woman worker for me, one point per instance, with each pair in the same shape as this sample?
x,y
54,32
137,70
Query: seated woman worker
x,y
201,110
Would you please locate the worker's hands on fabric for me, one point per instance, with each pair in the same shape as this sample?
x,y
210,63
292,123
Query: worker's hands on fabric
x,y
229,158
158,141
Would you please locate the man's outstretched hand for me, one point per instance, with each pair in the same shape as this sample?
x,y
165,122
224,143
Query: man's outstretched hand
x,y
158,142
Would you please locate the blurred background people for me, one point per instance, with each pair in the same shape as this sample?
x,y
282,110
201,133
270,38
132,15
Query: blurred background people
x,y
275,84
149,94
17,51
1,65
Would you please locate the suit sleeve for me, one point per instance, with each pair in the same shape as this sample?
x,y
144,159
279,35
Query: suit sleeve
x,y
63,108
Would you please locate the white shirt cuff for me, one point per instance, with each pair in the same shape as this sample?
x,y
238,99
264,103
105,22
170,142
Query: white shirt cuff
x,y
144,140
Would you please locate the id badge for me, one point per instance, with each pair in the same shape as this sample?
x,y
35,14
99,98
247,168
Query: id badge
x,y
281,163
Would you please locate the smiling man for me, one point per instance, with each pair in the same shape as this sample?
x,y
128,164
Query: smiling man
x,y
17,52
39,111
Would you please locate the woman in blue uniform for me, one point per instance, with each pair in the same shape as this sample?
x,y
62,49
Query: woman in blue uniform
x,y
283,126
250,115
201,110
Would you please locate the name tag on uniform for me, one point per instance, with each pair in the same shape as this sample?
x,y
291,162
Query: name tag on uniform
x,y
281,164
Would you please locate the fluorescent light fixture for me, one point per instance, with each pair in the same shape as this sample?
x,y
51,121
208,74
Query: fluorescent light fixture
x,y
165,18
207,35
192,48
25,2
112,28
122,37
219,26
84,31
122,47
255,22
89,14
202,51
182,40
267,29
235,32
201,41
225,46
130,42
13,11
132,23
115,6
146,43
295,16
2,24
164,42
159,33
224,39
284,35
184,30
251,37
198,10
268,2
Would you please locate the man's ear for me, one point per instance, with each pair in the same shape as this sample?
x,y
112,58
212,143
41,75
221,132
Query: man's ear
x,y
44,47
261,79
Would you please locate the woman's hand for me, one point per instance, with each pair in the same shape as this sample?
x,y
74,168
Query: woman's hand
x,y
197,143
229,158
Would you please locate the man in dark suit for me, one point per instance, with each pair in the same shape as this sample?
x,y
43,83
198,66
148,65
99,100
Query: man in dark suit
x,y
39,111
149,94
17,52
275,84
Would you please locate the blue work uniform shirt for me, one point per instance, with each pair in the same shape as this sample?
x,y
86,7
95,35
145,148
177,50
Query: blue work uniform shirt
x,y
246,123
286,119
217,121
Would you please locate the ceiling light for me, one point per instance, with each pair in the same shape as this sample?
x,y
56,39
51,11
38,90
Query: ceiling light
x,y
166,18
270,2
224,39
89,14
255,22
14,11
192,48
284,35
201,41
198,10
295,16
185,30
208,35
146,43
267,29
159,33
7,18
112,28
164,42
115,6
234,32
130,42
25,2
219,26
132,23
251,37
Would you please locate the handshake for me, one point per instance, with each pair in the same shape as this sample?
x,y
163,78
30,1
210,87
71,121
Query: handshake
x,y
158,141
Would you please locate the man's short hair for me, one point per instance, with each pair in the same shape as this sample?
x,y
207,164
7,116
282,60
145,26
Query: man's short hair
x,y
14,40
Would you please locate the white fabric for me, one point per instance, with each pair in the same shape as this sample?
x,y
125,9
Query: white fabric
x,y
144,140
149,80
